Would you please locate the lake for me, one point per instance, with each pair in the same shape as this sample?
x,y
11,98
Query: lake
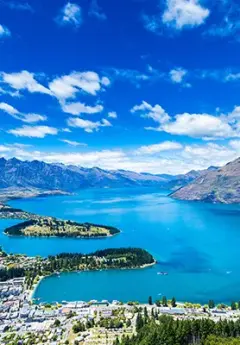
x,y
196,243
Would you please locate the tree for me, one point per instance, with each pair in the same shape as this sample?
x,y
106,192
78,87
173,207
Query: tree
x,y
164,301
158,303
173,302
128,323
57,323
233,306
139,322
150,300
211,304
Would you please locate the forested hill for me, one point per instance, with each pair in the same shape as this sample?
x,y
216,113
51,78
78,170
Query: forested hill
x,y
221,185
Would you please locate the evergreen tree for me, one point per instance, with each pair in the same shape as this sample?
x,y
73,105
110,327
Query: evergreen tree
x,y
233,306
173,302
211,304
150,300
164,301
139,322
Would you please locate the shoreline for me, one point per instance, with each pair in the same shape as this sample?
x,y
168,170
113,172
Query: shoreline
x,y
41,278
63,237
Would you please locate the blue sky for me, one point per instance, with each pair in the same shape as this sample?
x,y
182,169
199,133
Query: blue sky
x,y
144,85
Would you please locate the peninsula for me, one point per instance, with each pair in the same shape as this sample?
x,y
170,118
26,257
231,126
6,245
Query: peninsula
x,y
16,265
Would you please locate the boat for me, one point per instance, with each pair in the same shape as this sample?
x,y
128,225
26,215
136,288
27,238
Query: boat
x,y
163,273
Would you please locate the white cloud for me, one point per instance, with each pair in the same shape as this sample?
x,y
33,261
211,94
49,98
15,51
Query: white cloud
x,y
205,126
177,75
232,76
172,162
86,125
32,118
72,143
4,31
81,108
24,80
8,109
156,148
70,14
235,144
156,113
29,118
33,131
112,115
234,116
199,126
184,13
67,86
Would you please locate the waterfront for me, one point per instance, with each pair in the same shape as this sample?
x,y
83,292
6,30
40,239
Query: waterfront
x,y
196,243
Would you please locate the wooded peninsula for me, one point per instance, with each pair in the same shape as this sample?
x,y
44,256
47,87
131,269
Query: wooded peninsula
x,y
16,265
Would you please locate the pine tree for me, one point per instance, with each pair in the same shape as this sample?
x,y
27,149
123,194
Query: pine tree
x,y
150,300
211,304
164,301
233,306
173,302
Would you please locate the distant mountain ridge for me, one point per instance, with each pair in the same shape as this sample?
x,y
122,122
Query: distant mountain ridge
x,y
45,176
221,185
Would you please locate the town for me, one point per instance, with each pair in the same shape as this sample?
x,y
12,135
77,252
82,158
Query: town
x,y
26,321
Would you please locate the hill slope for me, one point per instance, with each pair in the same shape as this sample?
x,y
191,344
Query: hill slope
x,y
221,185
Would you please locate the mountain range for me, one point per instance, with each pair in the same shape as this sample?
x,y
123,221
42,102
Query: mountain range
x,y
44,176
218,185
36,178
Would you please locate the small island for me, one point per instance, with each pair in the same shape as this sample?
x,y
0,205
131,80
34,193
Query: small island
x,y
48,227
17,265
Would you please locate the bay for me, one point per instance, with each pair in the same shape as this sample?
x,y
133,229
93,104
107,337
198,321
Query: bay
x,y
196,243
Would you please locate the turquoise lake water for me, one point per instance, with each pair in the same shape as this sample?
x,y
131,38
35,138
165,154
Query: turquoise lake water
x,y
196,243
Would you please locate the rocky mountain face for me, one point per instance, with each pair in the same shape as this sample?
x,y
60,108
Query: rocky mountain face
x,y
216,185
35,174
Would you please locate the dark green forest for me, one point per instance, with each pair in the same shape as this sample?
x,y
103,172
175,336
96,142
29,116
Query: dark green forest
x,y
164,330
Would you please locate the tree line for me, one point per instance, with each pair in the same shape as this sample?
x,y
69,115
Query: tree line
x,y
164,330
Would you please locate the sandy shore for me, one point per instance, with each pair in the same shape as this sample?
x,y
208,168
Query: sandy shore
x,y
34,288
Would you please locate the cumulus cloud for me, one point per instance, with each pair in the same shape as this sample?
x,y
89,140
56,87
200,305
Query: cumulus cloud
x,y
70,14
33,131
67,86
81,108
156,113
184,13
28,118
4,31
177,75
112,115
205,126
199,126
24,80
156,148
63,88
86,125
